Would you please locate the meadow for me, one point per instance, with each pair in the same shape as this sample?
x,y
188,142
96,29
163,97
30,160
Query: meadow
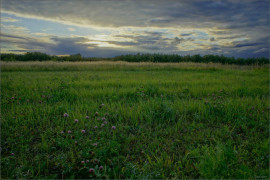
x,y
134,120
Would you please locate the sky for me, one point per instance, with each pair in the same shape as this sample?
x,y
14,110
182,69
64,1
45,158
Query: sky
x,y
107,28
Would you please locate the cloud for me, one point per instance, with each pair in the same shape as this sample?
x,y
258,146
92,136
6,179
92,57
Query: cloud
x,y
148,41
212,39
56,45
187,34
231,27
8,19
229,14
71,29
14,29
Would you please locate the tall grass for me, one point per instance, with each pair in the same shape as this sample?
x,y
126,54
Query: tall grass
x,y
181,120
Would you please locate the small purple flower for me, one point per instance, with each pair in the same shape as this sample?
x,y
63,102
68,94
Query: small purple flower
x,y
83,131
95,127
12,154
105,122
69,131
76,120
102,125
113,127
82,162
103,119
91,170
62,132
95,144
12,98
87,161
87,117
66,115
96,114
101,168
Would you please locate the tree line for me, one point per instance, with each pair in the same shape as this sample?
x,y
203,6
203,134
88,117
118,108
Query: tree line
x,y
38,56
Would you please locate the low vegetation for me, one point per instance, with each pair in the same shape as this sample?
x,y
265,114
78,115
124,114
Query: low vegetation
x,y
134,120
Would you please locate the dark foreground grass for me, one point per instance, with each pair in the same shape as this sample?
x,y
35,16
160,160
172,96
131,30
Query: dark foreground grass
x,y
169,122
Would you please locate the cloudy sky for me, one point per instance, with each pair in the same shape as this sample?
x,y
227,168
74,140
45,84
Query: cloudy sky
x,y
106,28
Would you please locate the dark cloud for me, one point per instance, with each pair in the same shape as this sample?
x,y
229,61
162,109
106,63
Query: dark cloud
x,y
151,41
195,13
17,50
60,45
230,37
212,39
246,44
187,34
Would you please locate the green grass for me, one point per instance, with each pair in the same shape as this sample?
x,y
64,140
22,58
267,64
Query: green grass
x,y
172,121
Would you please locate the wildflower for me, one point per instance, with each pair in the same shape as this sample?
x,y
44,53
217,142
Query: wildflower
x,y
87,161
82,162
95,144
95,127
76,120
113,127
87,117
83,131
102,125
13,98
101,105
101,168
103,119
91,170
76,142
105,122
12,154
69,131
27,100
66,115
62,132
96,114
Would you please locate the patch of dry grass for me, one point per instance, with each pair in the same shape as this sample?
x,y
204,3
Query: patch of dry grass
x,y
97,65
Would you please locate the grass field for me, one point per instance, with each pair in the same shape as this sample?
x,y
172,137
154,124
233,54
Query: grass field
x,y
135,120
